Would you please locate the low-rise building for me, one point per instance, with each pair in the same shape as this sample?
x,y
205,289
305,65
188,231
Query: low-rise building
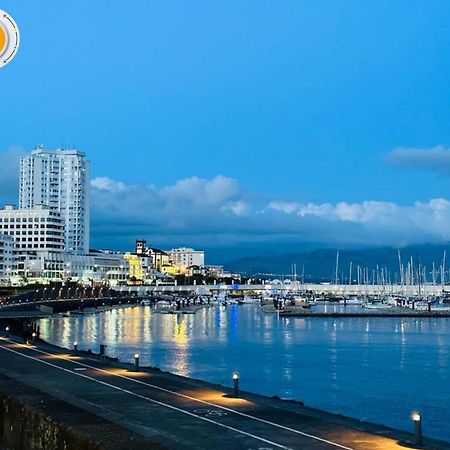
x,y
185,257
160,260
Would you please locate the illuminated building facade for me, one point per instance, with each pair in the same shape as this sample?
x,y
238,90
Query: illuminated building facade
x,y
185,257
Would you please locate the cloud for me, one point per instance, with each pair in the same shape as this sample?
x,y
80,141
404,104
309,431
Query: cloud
x,y
106,184
220,212
436,158
9,179
209,212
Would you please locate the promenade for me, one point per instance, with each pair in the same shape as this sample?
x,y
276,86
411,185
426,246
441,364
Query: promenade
x,y
171,412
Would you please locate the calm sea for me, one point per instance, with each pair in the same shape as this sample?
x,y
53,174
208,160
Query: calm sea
x,y
374,369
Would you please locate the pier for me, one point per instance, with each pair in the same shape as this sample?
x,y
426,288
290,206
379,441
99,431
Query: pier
x,y
157,410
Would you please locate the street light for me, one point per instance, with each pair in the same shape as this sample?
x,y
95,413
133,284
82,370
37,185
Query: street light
x,y
235,385
417,419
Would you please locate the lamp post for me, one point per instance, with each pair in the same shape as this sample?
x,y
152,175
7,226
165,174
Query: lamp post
x,y
418,439
75,346
7,332
136,362
235,385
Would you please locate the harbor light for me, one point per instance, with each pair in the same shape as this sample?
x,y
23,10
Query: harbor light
x,y
235,385
417,419
136,361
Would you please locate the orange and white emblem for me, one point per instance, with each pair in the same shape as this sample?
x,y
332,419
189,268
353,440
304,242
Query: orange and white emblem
x,y
9,38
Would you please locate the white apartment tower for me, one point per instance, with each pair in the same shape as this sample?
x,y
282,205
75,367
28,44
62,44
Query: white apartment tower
x,y
59,179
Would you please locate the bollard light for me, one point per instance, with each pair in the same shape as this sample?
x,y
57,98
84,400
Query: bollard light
x,y
7,332
417,419
136,361
235,385
75,346
33,337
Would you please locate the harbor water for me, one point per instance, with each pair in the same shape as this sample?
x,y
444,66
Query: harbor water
x,y
376,369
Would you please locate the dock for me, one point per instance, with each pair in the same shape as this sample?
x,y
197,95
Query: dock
x,y
114,405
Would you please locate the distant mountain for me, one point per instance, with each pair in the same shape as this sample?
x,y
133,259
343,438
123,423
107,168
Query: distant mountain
x,y
320,264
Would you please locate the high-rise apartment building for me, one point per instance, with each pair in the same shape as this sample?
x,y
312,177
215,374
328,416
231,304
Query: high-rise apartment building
x,y
59,179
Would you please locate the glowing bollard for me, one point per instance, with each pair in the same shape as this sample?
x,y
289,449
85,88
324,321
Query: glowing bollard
x,y
7,332
136,362
235,385
33,338
75,346
418,439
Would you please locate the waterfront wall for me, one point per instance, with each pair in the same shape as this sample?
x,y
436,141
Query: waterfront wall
x,y
32,420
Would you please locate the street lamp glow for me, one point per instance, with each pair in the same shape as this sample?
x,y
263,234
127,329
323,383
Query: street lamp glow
x,y
235,385
418,437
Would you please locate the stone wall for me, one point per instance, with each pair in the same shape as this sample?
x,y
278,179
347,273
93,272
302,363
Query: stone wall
x,y
32,420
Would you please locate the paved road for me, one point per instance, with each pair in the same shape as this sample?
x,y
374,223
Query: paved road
x,y
181,413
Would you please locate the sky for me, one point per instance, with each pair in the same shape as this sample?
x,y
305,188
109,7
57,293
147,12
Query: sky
x,y
241,125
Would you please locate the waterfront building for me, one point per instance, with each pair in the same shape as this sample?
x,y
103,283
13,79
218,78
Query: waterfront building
x,y
139,267
36,229
96,267
6,258
185,257
59,179
148,265
160,260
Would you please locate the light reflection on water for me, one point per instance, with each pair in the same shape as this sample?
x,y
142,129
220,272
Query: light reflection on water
x,y
374,369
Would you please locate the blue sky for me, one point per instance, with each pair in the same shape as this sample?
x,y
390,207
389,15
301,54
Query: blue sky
x,y
297,103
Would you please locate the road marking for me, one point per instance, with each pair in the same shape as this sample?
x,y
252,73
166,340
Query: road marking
x,y
211,412
225,408
166,405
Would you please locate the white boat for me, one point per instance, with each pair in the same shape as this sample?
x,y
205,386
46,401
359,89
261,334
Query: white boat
x,y
376,306
251,299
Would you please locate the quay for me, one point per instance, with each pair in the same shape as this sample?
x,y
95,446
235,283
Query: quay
x,y
316,288
393,312
60,398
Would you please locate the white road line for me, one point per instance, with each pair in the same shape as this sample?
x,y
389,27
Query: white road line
x,y
205,419
267,422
